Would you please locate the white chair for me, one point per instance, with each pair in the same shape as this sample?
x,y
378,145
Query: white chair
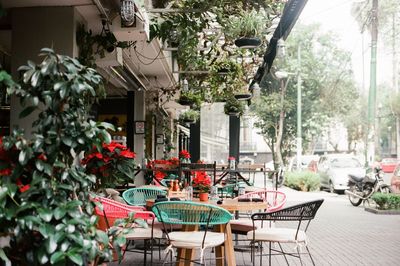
x,y
301,214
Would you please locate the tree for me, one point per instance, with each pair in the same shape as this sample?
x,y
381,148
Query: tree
x,y
328,90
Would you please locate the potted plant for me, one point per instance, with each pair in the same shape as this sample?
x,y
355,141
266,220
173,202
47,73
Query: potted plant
x,y
234,107
190,98
48,217
189,116
202,183
246,29
112,165
242,94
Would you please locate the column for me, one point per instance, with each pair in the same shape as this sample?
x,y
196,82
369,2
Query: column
x,y
33,29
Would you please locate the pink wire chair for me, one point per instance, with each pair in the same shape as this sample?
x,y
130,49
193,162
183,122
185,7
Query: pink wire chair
x,y
274,199
112,210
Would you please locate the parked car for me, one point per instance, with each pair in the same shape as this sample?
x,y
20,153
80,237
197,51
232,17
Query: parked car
x,y
388,164
306,160
334,170
395,181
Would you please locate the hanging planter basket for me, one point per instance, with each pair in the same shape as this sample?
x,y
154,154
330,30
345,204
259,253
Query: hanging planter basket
x,y
243,96
188,121
185,102
248,42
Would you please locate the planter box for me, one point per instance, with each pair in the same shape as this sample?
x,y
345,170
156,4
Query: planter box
x,y
385,212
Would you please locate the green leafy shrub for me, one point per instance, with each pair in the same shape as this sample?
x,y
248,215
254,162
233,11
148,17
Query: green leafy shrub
x,y
233,107
386,201
189,115
46,215
303,180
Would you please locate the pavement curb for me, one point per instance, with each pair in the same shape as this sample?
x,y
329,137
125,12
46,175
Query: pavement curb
x,y
385,212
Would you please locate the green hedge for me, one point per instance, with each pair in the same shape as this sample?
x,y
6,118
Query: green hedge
x,y
386,201
302,180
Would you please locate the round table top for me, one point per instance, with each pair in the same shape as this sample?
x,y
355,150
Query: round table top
x,y
230,205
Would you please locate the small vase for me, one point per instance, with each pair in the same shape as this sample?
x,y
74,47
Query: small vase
x,y
203,196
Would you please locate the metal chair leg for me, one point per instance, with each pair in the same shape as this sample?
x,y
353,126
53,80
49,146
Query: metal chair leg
x,y
145,252
298,253
270,254
309,253
284,255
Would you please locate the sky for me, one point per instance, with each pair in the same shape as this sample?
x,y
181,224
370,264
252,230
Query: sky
x,y
335,16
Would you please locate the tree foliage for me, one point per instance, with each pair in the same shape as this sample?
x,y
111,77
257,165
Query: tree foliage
x,y
328,89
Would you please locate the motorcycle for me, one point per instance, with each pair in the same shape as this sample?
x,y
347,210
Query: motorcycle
x,y
361,188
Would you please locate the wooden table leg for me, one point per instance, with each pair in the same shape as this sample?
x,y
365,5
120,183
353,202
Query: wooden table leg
x,y
229,251
188,254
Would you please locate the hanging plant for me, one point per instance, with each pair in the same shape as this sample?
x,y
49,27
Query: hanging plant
x,y
91,45
190,98
247,29
189,116
234,107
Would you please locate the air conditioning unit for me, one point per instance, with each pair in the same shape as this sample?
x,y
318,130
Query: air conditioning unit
x,y
112,59
140,30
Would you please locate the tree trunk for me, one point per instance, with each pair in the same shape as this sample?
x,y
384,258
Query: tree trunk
x,y
281,122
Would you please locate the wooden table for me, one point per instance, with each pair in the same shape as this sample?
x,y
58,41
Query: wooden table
x,y
230,205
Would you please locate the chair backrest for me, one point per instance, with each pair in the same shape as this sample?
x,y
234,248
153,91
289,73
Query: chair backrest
x,y
110,210
138,196
274,199
190,213
112,205
300,212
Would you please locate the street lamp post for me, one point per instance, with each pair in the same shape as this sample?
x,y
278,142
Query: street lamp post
x,y
299,139
372,89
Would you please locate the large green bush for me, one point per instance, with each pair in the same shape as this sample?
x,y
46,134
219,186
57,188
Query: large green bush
x,y
46,216
386,201
302,180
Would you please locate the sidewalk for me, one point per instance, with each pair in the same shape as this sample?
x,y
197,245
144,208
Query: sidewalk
x,y
339,235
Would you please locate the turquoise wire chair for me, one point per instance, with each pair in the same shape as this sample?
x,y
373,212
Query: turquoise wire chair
x,y
139,196
194,214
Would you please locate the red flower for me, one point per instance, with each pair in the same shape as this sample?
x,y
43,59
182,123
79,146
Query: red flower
x,y
201,181
42,157
184,154
128,154
24,188
5,172
113,145
159,175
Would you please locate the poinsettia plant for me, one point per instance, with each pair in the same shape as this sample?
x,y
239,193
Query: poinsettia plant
x,y
201,181
112,165
184,154
158,166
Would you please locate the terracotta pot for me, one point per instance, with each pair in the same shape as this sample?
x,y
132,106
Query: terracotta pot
x,y
203,196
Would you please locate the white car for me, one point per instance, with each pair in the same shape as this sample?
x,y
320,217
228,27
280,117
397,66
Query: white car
x,y
334,170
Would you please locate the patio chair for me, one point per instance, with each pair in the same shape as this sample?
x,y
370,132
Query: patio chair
x,y
274,200
301,214
194,215
138,196
109,212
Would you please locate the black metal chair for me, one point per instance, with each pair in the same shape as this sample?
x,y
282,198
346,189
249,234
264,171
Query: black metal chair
x,y
302,214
